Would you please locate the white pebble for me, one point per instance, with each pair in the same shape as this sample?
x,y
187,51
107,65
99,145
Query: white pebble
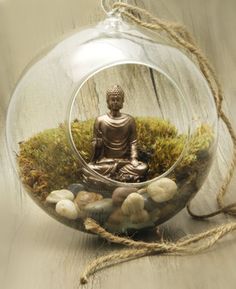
x,y
58,195
162,190
67,209
133,204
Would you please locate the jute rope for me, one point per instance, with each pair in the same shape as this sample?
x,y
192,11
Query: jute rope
x,y
191,244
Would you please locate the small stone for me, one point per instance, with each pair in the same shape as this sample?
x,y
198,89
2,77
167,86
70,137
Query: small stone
x,y
58,195
140,217
67,209
162,190
133,204
76,188
116,218
100,210
84,198
102,206
120,194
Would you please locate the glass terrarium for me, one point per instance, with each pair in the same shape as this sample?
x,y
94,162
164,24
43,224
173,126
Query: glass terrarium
x,y
114,123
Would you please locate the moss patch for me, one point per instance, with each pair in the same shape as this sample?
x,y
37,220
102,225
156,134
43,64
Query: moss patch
x,y
46,161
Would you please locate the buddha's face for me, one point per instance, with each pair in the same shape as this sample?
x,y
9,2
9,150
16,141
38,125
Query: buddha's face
x,y
115,102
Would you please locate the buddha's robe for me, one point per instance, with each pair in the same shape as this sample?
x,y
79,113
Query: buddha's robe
x,y
115,146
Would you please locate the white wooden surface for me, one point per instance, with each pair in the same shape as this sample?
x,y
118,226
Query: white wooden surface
x,y
38,252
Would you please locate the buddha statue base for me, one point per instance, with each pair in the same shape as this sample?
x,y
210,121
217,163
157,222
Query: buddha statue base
x,y
120,170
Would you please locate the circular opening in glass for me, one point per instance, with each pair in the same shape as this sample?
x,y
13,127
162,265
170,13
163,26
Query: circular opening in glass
x,y
163,109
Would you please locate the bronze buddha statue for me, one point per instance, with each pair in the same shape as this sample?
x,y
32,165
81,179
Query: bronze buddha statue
x,y
114,142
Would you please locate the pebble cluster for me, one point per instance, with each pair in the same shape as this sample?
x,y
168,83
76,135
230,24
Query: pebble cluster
x,y
127,207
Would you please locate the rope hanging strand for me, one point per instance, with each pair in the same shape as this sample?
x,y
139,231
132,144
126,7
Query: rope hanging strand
x,y
191,244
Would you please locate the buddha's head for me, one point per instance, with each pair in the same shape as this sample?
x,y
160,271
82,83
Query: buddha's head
x,y
115,98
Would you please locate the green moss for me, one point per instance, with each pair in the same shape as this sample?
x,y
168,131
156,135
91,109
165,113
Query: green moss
x,y
47,162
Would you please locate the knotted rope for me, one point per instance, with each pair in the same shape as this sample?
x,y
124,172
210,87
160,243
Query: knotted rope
x,y
191,244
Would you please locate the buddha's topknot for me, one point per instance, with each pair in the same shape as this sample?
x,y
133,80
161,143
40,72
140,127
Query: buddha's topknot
x,y
115,90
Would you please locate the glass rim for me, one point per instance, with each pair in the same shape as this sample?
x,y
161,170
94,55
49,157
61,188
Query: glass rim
x,y
85,165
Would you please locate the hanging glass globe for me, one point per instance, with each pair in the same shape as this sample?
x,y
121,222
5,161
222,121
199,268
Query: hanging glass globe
x,y
114,123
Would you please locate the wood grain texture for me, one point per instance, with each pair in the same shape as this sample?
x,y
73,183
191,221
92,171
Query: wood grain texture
x,y
38,252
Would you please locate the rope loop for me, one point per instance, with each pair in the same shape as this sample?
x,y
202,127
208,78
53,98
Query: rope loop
x,y
111,9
